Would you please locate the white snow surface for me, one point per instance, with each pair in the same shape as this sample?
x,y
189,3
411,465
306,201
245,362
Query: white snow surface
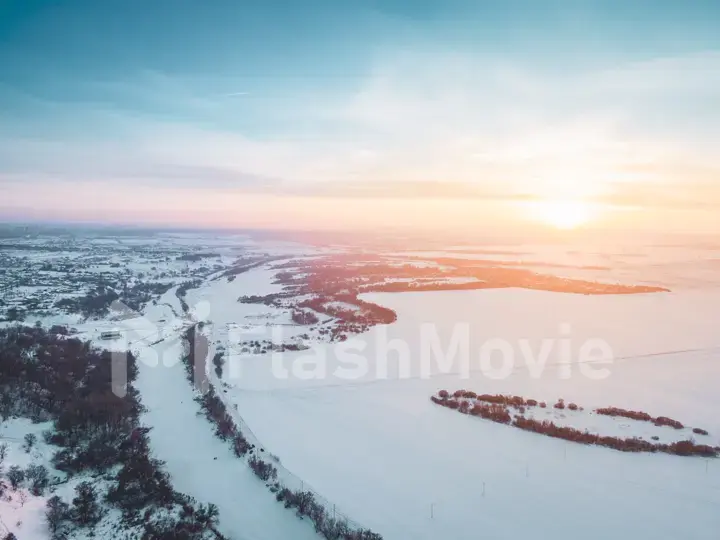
x,y
199,463
406,468
409,469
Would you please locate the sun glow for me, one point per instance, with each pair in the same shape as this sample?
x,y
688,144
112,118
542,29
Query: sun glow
x,y
563,214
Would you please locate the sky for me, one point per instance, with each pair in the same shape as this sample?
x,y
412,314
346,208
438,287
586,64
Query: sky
x,y
362,114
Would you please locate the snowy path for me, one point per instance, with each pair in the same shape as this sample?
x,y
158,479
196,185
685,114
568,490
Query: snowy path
x,y
200,464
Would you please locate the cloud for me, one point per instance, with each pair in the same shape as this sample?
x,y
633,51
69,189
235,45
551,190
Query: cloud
x,y
67,161
420,126
688,195
410,190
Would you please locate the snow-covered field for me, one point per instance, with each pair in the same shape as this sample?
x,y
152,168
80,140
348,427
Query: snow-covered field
x,y
409,469
21,513
362,432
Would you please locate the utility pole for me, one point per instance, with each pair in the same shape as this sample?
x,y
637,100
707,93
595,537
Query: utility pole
x,y
432,510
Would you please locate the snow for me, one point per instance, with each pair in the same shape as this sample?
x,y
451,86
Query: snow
x,y
378,448
23,515
387,455
12,432
199,463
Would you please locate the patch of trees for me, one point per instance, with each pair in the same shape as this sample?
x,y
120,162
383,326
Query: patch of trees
x,y
665,421
266,299
225,428
306,505
137,296
499,399
493,411
195,257
633,444
615,411
645,417
94,304
364,313
14,314
243,265
182,290
45,376
304,317
263,470
496,409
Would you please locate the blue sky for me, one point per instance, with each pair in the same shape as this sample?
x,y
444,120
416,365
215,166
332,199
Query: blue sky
x,y
188,105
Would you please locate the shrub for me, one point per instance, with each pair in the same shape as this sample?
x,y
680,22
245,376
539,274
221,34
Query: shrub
x,y
517,401
640,416
492,399
304,317
560,404
218,361
572,407
699,431
86,510
29,441
689,448
263,470
240,445
633,415
16,476
443,394
633,444
38,477
496,413
56,513
332,529
665,421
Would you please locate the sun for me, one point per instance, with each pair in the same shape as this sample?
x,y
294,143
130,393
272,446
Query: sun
x,y
563,214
